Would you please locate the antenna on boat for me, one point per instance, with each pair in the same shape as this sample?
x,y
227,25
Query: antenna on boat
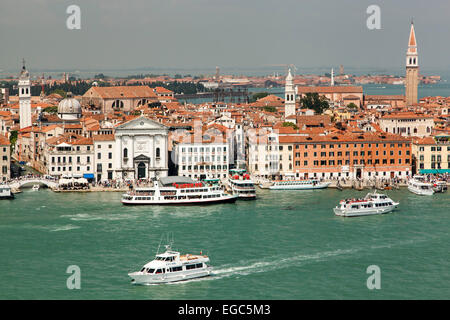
x,y
159,246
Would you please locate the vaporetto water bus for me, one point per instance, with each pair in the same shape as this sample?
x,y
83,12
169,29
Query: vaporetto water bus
x,y
372,203
298,184
420,186
177,190
170,266
241,184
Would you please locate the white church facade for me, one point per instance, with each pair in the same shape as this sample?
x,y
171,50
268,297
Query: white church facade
x,y
141,150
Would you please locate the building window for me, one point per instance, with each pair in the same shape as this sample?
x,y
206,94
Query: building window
x,y
125,153
117,104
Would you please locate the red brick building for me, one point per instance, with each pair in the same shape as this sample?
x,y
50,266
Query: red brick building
x,y
352,155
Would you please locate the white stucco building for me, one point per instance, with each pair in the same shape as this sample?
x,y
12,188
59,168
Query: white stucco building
x,y
104,148
407,124
206,160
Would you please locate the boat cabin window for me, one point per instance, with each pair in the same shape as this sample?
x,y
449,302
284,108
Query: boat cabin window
x,y
159,271
176,269
149,270
194,266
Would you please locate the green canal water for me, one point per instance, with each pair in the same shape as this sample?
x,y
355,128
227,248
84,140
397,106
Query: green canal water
x,y
285,245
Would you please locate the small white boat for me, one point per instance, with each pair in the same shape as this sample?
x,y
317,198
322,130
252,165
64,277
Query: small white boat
x,y
372,203
35,187
170,266
5,192
299,184
439,186
420,186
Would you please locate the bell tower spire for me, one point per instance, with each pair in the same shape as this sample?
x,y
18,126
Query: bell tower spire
x,y
412,68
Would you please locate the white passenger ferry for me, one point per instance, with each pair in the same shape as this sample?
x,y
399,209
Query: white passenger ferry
x,y
420,186
372,203
5,192
170,266
241,184
177,190
299,184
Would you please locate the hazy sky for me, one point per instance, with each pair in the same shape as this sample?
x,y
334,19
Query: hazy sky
x,y
227,33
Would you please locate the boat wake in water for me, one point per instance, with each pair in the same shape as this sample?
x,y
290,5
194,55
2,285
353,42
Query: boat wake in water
x,y
279,262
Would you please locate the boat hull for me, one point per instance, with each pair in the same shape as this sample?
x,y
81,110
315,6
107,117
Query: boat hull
x,y
196,202
301,187
252,197
139,278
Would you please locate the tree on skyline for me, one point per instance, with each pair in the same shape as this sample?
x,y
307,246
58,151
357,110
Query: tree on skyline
x,y
313,101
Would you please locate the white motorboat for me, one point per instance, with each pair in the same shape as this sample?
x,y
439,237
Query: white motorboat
x,y
298,184
177,190
5,192
170,266
420,186
35,187
439,186
241,184
372,203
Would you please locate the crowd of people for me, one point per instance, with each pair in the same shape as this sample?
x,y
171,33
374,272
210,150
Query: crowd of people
x,y
30,177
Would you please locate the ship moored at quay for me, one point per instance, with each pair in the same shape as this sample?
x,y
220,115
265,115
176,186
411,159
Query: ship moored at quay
x,y
178,190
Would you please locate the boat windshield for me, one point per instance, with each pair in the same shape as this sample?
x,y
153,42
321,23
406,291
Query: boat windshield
x,y
148,270
159,258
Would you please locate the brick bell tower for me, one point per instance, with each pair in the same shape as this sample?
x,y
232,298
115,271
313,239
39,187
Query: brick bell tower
x,y
412,69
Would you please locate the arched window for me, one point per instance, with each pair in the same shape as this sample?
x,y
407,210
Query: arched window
x,y
158,153
142,102
414,60
125,153
292,97
117,104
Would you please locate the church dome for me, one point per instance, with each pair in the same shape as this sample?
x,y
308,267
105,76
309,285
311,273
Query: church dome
x,y
69,108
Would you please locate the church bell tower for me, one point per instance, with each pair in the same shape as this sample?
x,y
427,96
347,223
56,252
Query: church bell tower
x,y
24,97
289,96
412,69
